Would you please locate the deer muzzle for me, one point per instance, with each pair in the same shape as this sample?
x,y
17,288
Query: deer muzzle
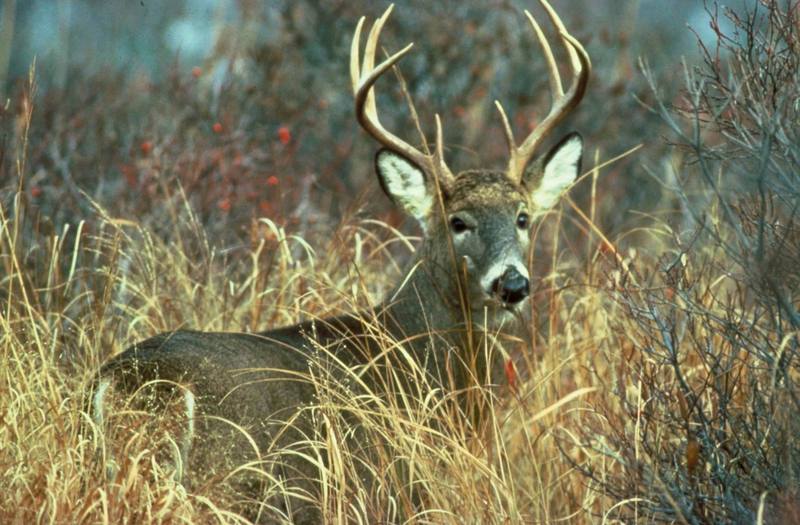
x,y
511,287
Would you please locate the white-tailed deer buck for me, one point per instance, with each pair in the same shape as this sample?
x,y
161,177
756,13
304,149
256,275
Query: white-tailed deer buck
x,y
470,275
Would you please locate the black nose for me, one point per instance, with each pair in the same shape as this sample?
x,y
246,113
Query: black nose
x,y
511,287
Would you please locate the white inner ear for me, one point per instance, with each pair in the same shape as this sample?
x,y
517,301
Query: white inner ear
x,y
559,172
405,183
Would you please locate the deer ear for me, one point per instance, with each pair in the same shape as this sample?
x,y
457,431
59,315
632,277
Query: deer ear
x,y
405,183
548,179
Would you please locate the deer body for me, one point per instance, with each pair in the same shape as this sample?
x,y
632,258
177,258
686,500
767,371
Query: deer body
x,y
469,279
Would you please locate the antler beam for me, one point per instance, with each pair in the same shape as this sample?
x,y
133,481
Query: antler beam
x,y
363,77
563,103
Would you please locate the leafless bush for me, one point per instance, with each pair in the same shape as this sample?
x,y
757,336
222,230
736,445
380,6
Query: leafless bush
x,y
705,420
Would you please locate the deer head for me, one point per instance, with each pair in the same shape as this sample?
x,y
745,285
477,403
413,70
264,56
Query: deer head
x,y
483,217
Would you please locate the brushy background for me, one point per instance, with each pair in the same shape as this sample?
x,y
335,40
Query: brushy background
x,y
197,164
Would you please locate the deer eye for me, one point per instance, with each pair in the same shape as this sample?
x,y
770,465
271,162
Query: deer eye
x,y
458,225
522,221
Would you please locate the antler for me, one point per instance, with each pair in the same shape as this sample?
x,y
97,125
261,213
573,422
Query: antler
x,y
363,79
562,103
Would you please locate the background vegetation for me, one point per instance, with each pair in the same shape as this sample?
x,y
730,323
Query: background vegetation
x,y
224,185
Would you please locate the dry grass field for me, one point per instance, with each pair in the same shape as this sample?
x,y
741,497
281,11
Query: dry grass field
x,y
658,378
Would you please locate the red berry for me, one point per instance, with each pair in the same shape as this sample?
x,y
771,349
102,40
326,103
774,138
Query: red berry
x,y
284,135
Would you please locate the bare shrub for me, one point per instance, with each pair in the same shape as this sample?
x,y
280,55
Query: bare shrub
x,y
704,418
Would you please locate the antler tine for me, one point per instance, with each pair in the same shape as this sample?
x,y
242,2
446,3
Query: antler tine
x,y
559,25
555,77
355,46
363,78
506,126
445,175
369,57
562,103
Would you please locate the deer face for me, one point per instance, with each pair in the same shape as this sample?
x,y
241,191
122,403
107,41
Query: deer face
x,y
486,216
487,219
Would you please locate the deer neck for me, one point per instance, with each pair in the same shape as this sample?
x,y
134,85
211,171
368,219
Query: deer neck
x,y
426,306
425,312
